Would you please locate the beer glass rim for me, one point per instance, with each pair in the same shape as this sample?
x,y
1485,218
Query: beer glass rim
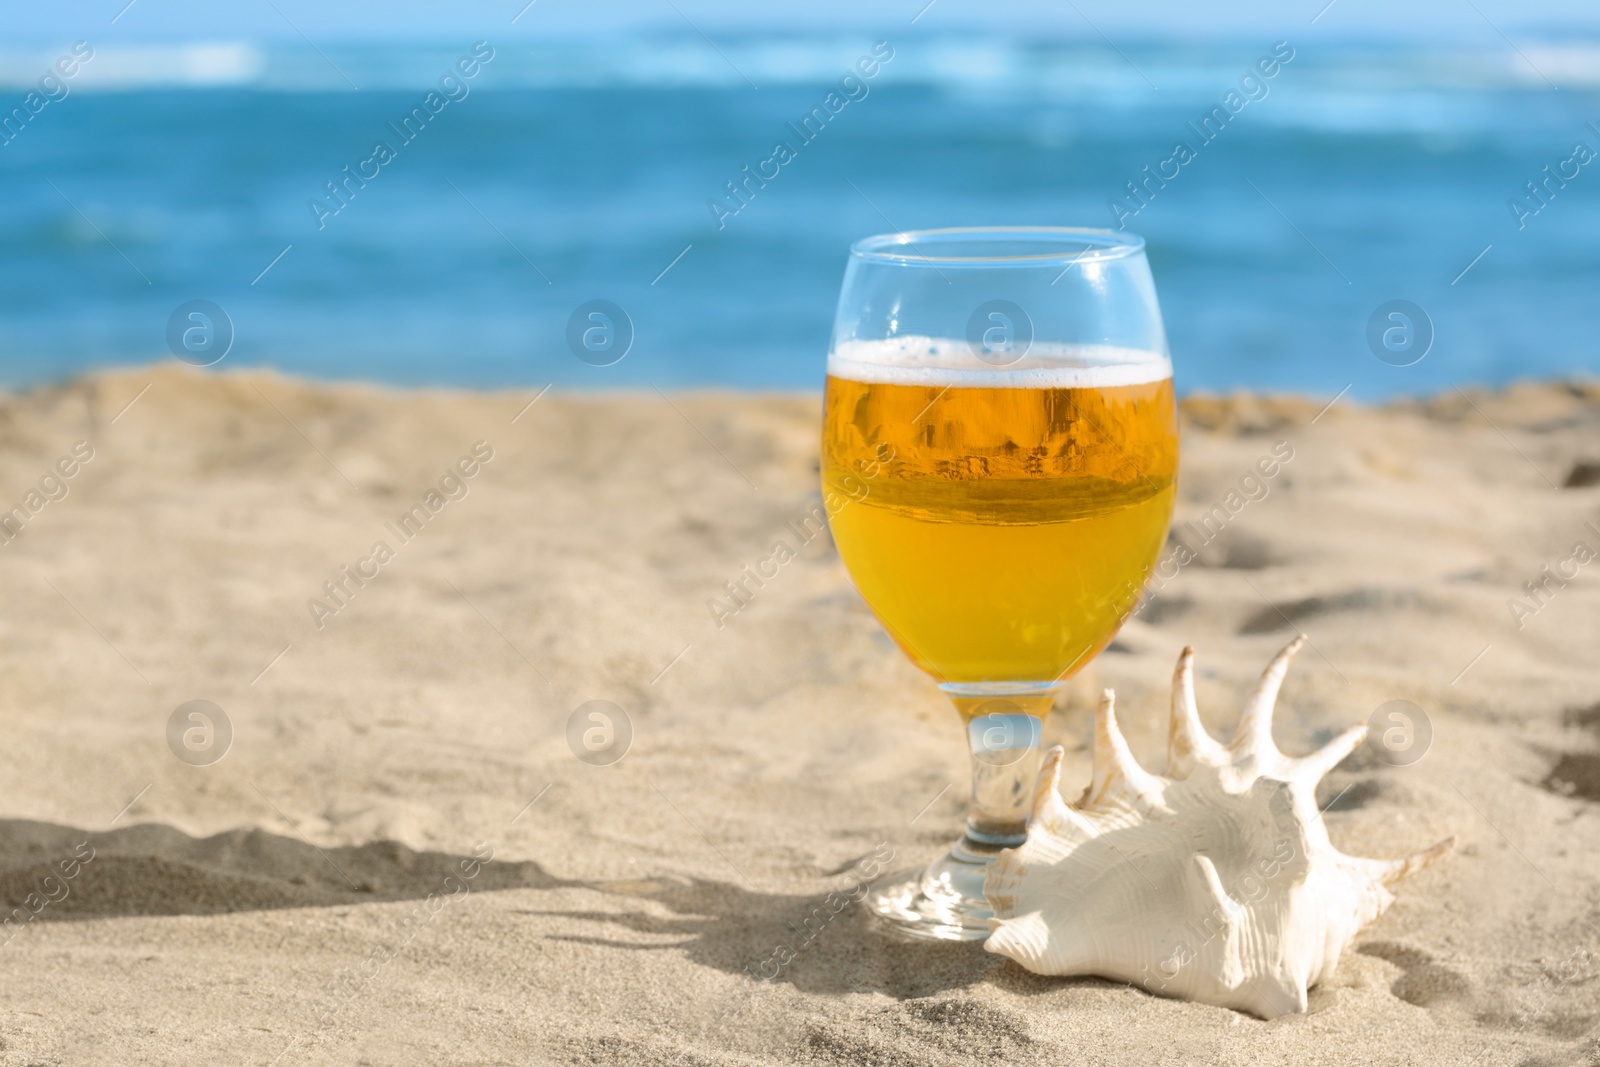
x,y
977,246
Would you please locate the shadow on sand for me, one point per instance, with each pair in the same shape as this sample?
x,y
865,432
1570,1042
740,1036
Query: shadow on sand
x,y
806,940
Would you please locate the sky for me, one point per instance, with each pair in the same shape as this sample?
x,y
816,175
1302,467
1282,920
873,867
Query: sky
x,y
372,20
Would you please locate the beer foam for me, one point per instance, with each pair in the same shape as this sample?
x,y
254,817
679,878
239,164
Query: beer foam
x,y
938,361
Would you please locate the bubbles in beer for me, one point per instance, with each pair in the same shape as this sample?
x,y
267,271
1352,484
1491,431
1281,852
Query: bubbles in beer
x,y
999,542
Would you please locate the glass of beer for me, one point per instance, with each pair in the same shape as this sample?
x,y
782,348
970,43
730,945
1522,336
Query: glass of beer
x,y
999,457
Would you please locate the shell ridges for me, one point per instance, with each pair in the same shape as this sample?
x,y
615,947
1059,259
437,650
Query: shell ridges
x,y
1215,883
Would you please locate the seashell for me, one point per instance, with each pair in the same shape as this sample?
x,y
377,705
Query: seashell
x,y
1216,884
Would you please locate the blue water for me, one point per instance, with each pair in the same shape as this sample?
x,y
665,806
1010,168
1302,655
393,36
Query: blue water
x,y
581,169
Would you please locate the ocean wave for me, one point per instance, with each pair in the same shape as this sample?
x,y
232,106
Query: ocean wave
x,y
1568,65
198,65
1077,69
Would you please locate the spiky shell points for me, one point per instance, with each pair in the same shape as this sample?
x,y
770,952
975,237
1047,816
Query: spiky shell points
x,y
1216,883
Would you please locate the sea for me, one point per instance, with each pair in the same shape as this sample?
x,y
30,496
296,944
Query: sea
x,y
450,212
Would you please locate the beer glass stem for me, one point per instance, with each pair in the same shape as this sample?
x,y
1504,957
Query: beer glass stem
x,y
1002,794
1004,723
1003,737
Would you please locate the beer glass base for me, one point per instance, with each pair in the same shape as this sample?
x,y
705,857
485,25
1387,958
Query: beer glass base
x,y
943,901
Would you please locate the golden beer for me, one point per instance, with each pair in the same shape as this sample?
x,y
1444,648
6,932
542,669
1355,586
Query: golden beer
x,y
1000,525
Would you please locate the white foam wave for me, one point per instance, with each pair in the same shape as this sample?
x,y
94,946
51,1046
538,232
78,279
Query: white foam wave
x,y
1068,71
1569,66
199,65
931,361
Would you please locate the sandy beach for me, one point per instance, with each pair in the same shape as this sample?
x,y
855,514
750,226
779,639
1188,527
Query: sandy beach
x,y
400,859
